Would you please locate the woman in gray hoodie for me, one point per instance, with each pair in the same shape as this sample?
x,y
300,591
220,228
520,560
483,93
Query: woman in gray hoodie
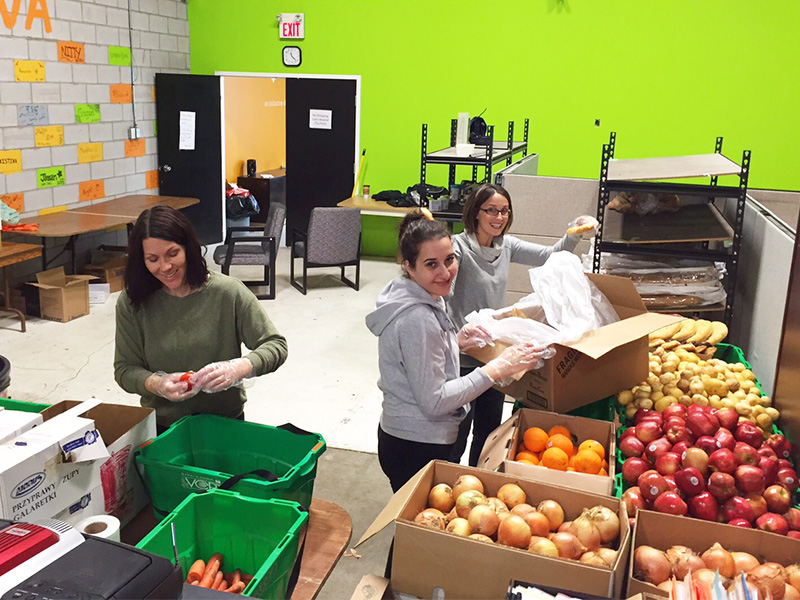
x,y
424,397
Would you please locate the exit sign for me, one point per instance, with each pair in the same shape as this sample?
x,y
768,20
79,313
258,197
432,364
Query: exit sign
x,y
291,26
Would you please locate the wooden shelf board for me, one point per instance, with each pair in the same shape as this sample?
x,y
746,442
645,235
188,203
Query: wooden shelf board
x,y
692,223
673,167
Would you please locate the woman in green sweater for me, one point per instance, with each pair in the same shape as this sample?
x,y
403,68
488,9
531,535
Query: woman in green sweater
x,y
175,316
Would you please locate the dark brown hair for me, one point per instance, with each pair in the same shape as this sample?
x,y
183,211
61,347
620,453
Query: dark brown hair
x,y
416,229
168,224
477,199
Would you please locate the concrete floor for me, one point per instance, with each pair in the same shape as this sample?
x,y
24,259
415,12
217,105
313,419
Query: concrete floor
x,y
328,385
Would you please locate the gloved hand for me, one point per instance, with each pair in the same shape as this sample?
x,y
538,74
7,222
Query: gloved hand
x,y
222,375
471,336
582,227
172,386
514,359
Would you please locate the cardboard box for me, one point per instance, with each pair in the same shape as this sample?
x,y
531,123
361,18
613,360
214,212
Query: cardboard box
x,y
99,293
88,505
662,531
111,271
500,449
25,298
15,422
425,559
46,469
601,363
124,428
62,297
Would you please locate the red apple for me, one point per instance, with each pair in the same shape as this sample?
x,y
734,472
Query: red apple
x,y
648,431
667,463
757,503
670,503
656,448
670,421
722,460
673,487
793,534
722,485
749,478
737,508
703,506
740,523
701,423
644,414
787,478
745,454
633,468
706,443
747,432
674,410
728,418
631,445
633,500
778,498
652,485
694,457
781,446
680,448
677,434
765,450
690,481
792,517
627,432
783,463
724,439
772,523
770,467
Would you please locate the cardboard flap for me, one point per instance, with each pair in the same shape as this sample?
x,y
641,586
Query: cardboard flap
x,y
85,448
620,291
600,341
52,278
495,449
79,279
371,587
395,506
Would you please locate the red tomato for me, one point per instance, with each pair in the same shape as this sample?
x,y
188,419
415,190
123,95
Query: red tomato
x,y
185,377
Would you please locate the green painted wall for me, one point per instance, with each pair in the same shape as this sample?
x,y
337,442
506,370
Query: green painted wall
x,y
667,75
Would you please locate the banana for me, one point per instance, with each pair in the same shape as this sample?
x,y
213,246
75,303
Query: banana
x,y
655,342
703,332
687,330
666,333
718,333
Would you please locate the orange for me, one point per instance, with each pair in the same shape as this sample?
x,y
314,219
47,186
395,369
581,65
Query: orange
x,y
587,461
571,469
595,447
559,440
535,439
526,462
603,473
528,457
555,458
559,429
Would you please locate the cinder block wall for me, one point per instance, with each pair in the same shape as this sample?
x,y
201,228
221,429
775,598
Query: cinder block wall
x,y
65,105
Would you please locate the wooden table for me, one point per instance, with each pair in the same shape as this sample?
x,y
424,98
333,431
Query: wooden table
x,y
12,253
96,217
368,206
328,533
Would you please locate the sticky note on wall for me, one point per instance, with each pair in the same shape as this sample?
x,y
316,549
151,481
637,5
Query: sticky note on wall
x,y
90,152
121,93
134,147
50,177
87,113
151,180
14,201
32,114
10,161
119,56
29,70
71,52
91,190
49,136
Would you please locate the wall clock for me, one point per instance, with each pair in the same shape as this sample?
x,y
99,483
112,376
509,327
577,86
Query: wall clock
x,y
292,56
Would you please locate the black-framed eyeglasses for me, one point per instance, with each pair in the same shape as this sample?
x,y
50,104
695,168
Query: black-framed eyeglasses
x,y
493,212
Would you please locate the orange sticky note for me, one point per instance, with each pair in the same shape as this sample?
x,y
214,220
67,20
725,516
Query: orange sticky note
x,y
151,180
91,190
71,52
14,201
121,93
134,147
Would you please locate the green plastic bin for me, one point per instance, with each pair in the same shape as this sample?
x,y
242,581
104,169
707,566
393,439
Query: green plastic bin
x,y
260,537
10,404
203,452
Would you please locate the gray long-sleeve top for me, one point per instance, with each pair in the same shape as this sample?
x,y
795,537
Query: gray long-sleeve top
x,y
423,395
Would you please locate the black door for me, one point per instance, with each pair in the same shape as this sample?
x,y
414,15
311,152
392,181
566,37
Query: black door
x,y
192,172
319,160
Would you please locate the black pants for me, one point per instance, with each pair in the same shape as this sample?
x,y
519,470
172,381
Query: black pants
x,y
162,428
400,459
485,415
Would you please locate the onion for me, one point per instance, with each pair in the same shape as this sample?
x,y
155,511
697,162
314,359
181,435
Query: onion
x,y
684,560
511,494
541,545
568,545
768,578
483,519
564,526
441,497
553,511
744,561
430,517
538,523
707,576
595,558
514,531
497,504
666,586
451,515
522,509
606,521
585,531
481,538
790,593
460,527
650,565
717,558
464,483
608,555
793,576
467,501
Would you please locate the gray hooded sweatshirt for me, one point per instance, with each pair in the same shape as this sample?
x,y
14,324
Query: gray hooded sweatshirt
x,y
424,398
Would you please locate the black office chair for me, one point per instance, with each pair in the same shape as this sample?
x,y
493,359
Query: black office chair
x,y
241,249
333,240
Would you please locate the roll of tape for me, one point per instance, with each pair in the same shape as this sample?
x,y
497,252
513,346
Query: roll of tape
x,y
102,526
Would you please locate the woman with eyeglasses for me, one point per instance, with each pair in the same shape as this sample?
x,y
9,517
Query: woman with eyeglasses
x,y
484,252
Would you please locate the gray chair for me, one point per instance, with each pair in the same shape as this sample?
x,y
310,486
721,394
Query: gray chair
x,y
241,249
333,240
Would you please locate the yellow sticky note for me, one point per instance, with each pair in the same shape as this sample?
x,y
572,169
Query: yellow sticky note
x,y
52,209
91,190
10,161
121,93
29,70
52,135
90,152
14,201
134,147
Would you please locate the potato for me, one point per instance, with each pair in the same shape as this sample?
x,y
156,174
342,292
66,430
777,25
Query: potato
x,y
737,367
772,412
732,383
666,378
685,400
715,387
696,386
748,374
664,402
715,402
625,397
646,403
728,403
743,409
630,410
656,395
683,385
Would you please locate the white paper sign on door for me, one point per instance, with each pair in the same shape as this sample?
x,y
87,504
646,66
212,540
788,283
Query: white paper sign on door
x,y
186,136
320,119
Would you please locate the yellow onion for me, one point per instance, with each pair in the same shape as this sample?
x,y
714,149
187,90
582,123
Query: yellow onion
x,y
606,521
553,511
583,528
568,545
684,560
717,558
793,576
768,578
744,561
650,565
541,545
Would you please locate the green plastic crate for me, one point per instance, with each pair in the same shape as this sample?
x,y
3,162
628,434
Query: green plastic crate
x,y
202,452
601,410
260,537
19,405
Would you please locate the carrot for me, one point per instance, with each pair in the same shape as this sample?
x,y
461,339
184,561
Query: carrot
x,y
196,571
236,576
246,578
223,586
217,580
237,588
212,568
194,583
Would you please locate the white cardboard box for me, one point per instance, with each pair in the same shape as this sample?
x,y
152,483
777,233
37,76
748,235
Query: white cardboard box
x,y
89,505
16,422
99,292
46,469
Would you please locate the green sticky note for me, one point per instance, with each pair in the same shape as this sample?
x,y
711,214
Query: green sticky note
x,y
155,128
50,177
119,56
87,113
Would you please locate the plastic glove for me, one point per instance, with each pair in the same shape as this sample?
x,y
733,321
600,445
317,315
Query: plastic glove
x,y
515,359
582,227
472,336
219,376
171,386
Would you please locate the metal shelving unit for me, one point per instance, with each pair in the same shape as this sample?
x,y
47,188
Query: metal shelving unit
x,y
686,233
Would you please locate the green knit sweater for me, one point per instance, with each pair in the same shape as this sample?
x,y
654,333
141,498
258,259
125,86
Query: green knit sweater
x,y
185,334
